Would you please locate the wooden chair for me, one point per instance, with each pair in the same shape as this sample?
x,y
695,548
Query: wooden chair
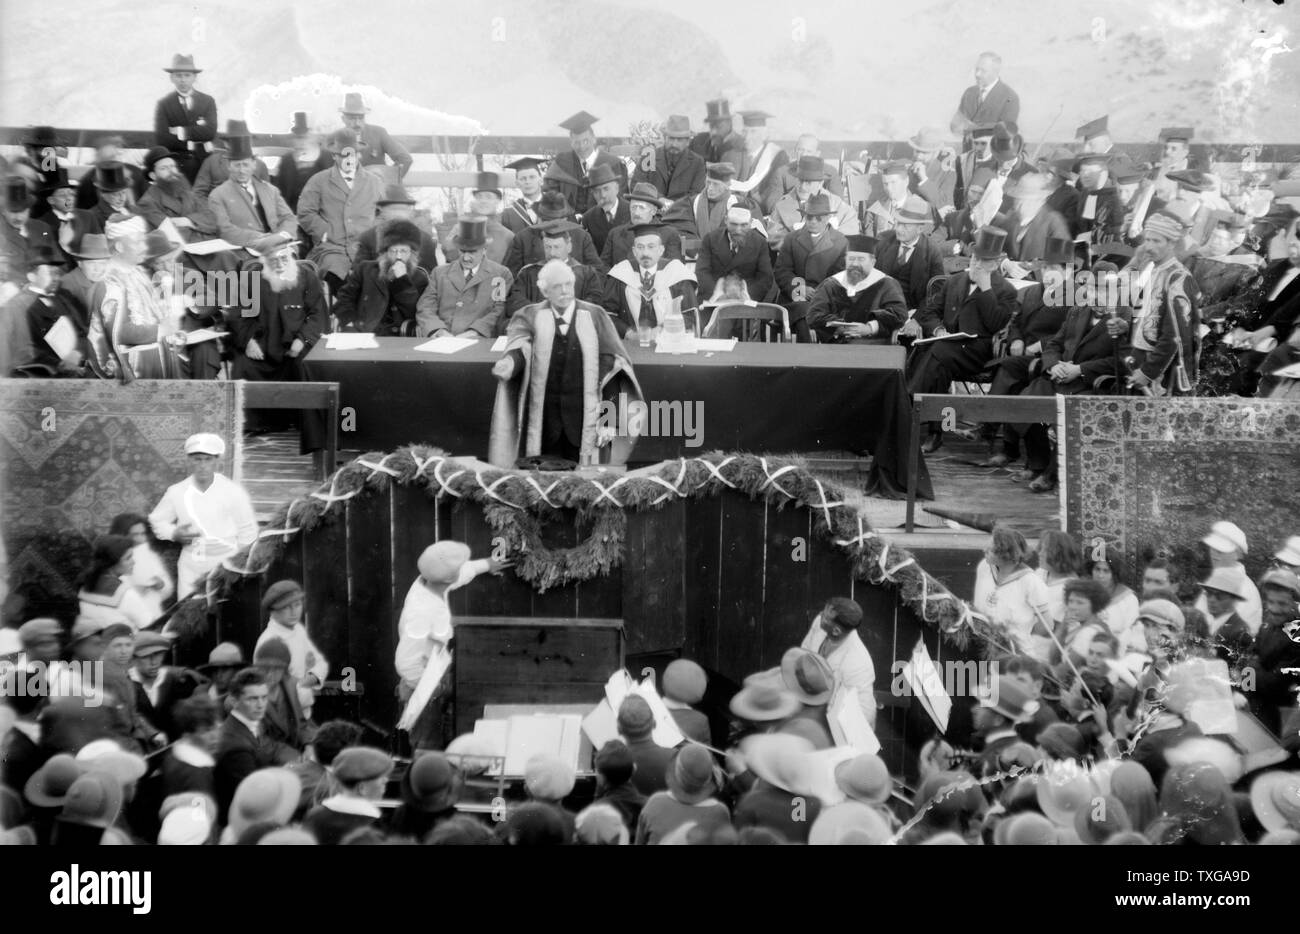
x,y
268,395
770,316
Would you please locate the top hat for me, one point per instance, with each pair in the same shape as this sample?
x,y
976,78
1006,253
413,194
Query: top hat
x,y
299,127
239,147
553,205
989,243
579,123
237,128
182,62
41,137
488,181
354,103
718,109
818,205
602,174
678,127
471,233
644,191
17,195
1058,251
111,176
811,169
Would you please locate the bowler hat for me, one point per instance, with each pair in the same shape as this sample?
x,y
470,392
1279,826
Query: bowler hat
x,y
342,140
155,155
441,562
41,137
818,205
183,62
18,196
111,176
239,147
719,109
685,681
553,205
354,103
678,126
644,191
395,194
602,174
989,243
811,169
281,594
432,783
488,181
272,653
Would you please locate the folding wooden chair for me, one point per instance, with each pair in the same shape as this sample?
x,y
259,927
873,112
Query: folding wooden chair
x,y
766,316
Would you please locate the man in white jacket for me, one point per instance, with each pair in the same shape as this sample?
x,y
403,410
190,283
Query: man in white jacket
x,y
834,636
211,515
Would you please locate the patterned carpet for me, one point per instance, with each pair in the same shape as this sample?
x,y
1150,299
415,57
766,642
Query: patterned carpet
x,y
75,453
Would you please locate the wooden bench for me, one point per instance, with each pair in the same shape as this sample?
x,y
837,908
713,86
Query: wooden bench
x,y
260,395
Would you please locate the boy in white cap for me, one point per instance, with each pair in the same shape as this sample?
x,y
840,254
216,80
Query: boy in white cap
x,y
208,513
1227,544
1288,556
425,630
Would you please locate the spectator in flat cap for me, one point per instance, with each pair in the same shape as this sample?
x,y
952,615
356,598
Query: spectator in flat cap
x,y
288,706
362,774
244,746
430,790
692,783
159,686
284,604
313,770
1227,546
834,636
615,766
224,661
636,723
535,824
684,685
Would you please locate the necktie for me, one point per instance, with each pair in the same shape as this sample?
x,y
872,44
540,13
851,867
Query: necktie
x,y
561,325
609,216
905,255
646,317
185,102
735,248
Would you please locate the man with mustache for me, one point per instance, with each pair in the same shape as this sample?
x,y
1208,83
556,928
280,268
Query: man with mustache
x,y
860,305
171,196
379,295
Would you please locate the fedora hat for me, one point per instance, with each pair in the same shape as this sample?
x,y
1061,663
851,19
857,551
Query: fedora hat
x,y
552,206
929,138
719,109
395,194
40,137
1226,580
850,822
811,169
780,759
808,676
239,148
989,242
94,800
354,103
182,62
1006,145
644,191
341,141
915,210
1274,798
678,126
818,205
763,702
92,246
111,176
602,174
1063,791
865,778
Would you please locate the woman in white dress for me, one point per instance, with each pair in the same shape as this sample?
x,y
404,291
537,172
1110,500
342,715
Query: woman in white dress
x,y
1121,613
1009,593
149,576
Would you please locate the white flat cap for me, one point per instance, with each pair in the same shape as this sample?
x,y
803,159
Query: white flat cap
x,y
1224,536
205,444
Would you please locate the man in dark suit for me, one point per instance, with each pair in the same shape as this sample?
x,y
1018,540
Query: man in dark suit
x,y
980,155
738,249
526,247
673,168
242,745
380,295
643,204
20,235
1098,212
377,146
807,257
988,100
570,171
908,257
185,120
1032,224
721,140
977,301
860,305
159,687
171,197
308,158
1062,196
396,205
609,210
557,243
68,223
1229,633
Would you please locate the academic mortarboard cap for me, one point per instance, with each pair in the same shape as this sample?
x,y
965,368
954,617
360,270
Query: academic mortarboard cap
x,y
1094,128
579,123
755,117
641,230
860,243
1125,171
527,162
1176,132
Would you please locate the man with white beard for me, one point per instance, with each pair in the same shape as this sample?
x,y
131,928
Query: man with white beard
x,y
172,196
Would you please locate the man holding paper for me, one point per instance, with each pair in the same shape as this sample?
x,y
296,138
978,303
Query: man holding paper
x,y
54,344
834,636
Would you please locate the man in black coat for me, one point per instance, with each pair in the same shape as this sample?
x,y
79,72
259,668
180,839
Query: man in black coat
x,y
988,100
721,141
808,257
68,222
379,296
158,687
609,210
557,243
298,166
396,205
35,313
860,305
109,149
377,144
243,746
186,119
570,172
526,247
643,205
1276,658
673,168
737,249
20,235
1098,212
910,258
978,302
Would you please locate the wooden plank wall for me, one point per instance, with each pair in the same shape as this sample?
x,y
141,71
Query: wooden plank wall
x,y
727,581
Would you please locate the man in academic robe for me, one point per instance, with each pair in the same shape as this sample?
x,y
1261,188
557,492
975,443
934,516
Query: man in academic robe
x,y
486,204
336,207
672,168
20,235
609,210
978,302
721,140
308,158
640,290
247,208
759,163
1095,135
643,204
396,205
469,295
563,360
740,249
377,146
569,173
171,197
1099,213
787,215
906,255
526,247
521,213
186,119
1032,224
380,296
859,305
807,257
989,100
557,244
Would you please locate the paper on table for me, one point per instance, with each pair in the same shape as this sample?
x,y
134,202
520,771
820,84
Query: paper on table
x,y
496,735
959,336
530,735
62,337
926,683
202,335
600,725
616,689
446,344
499,344
208,247
703,344
345,340
849,725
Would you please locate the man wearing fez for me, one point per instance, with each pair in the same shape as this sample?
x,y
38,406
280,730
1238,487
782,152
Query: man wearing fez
x,y
377,146
643,207
380,295
557,244
977,301
396,205
521,212
170,196
216,167
336,207
1098,213
639,291
187,119
808,256
721,140
906,255
307,159
673,168
738,248
246,207
486,204
1165,345
569,173
989,100
760,162
273,334
787,213
609,210
20,235
526,247
859,305
469,295
563,358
